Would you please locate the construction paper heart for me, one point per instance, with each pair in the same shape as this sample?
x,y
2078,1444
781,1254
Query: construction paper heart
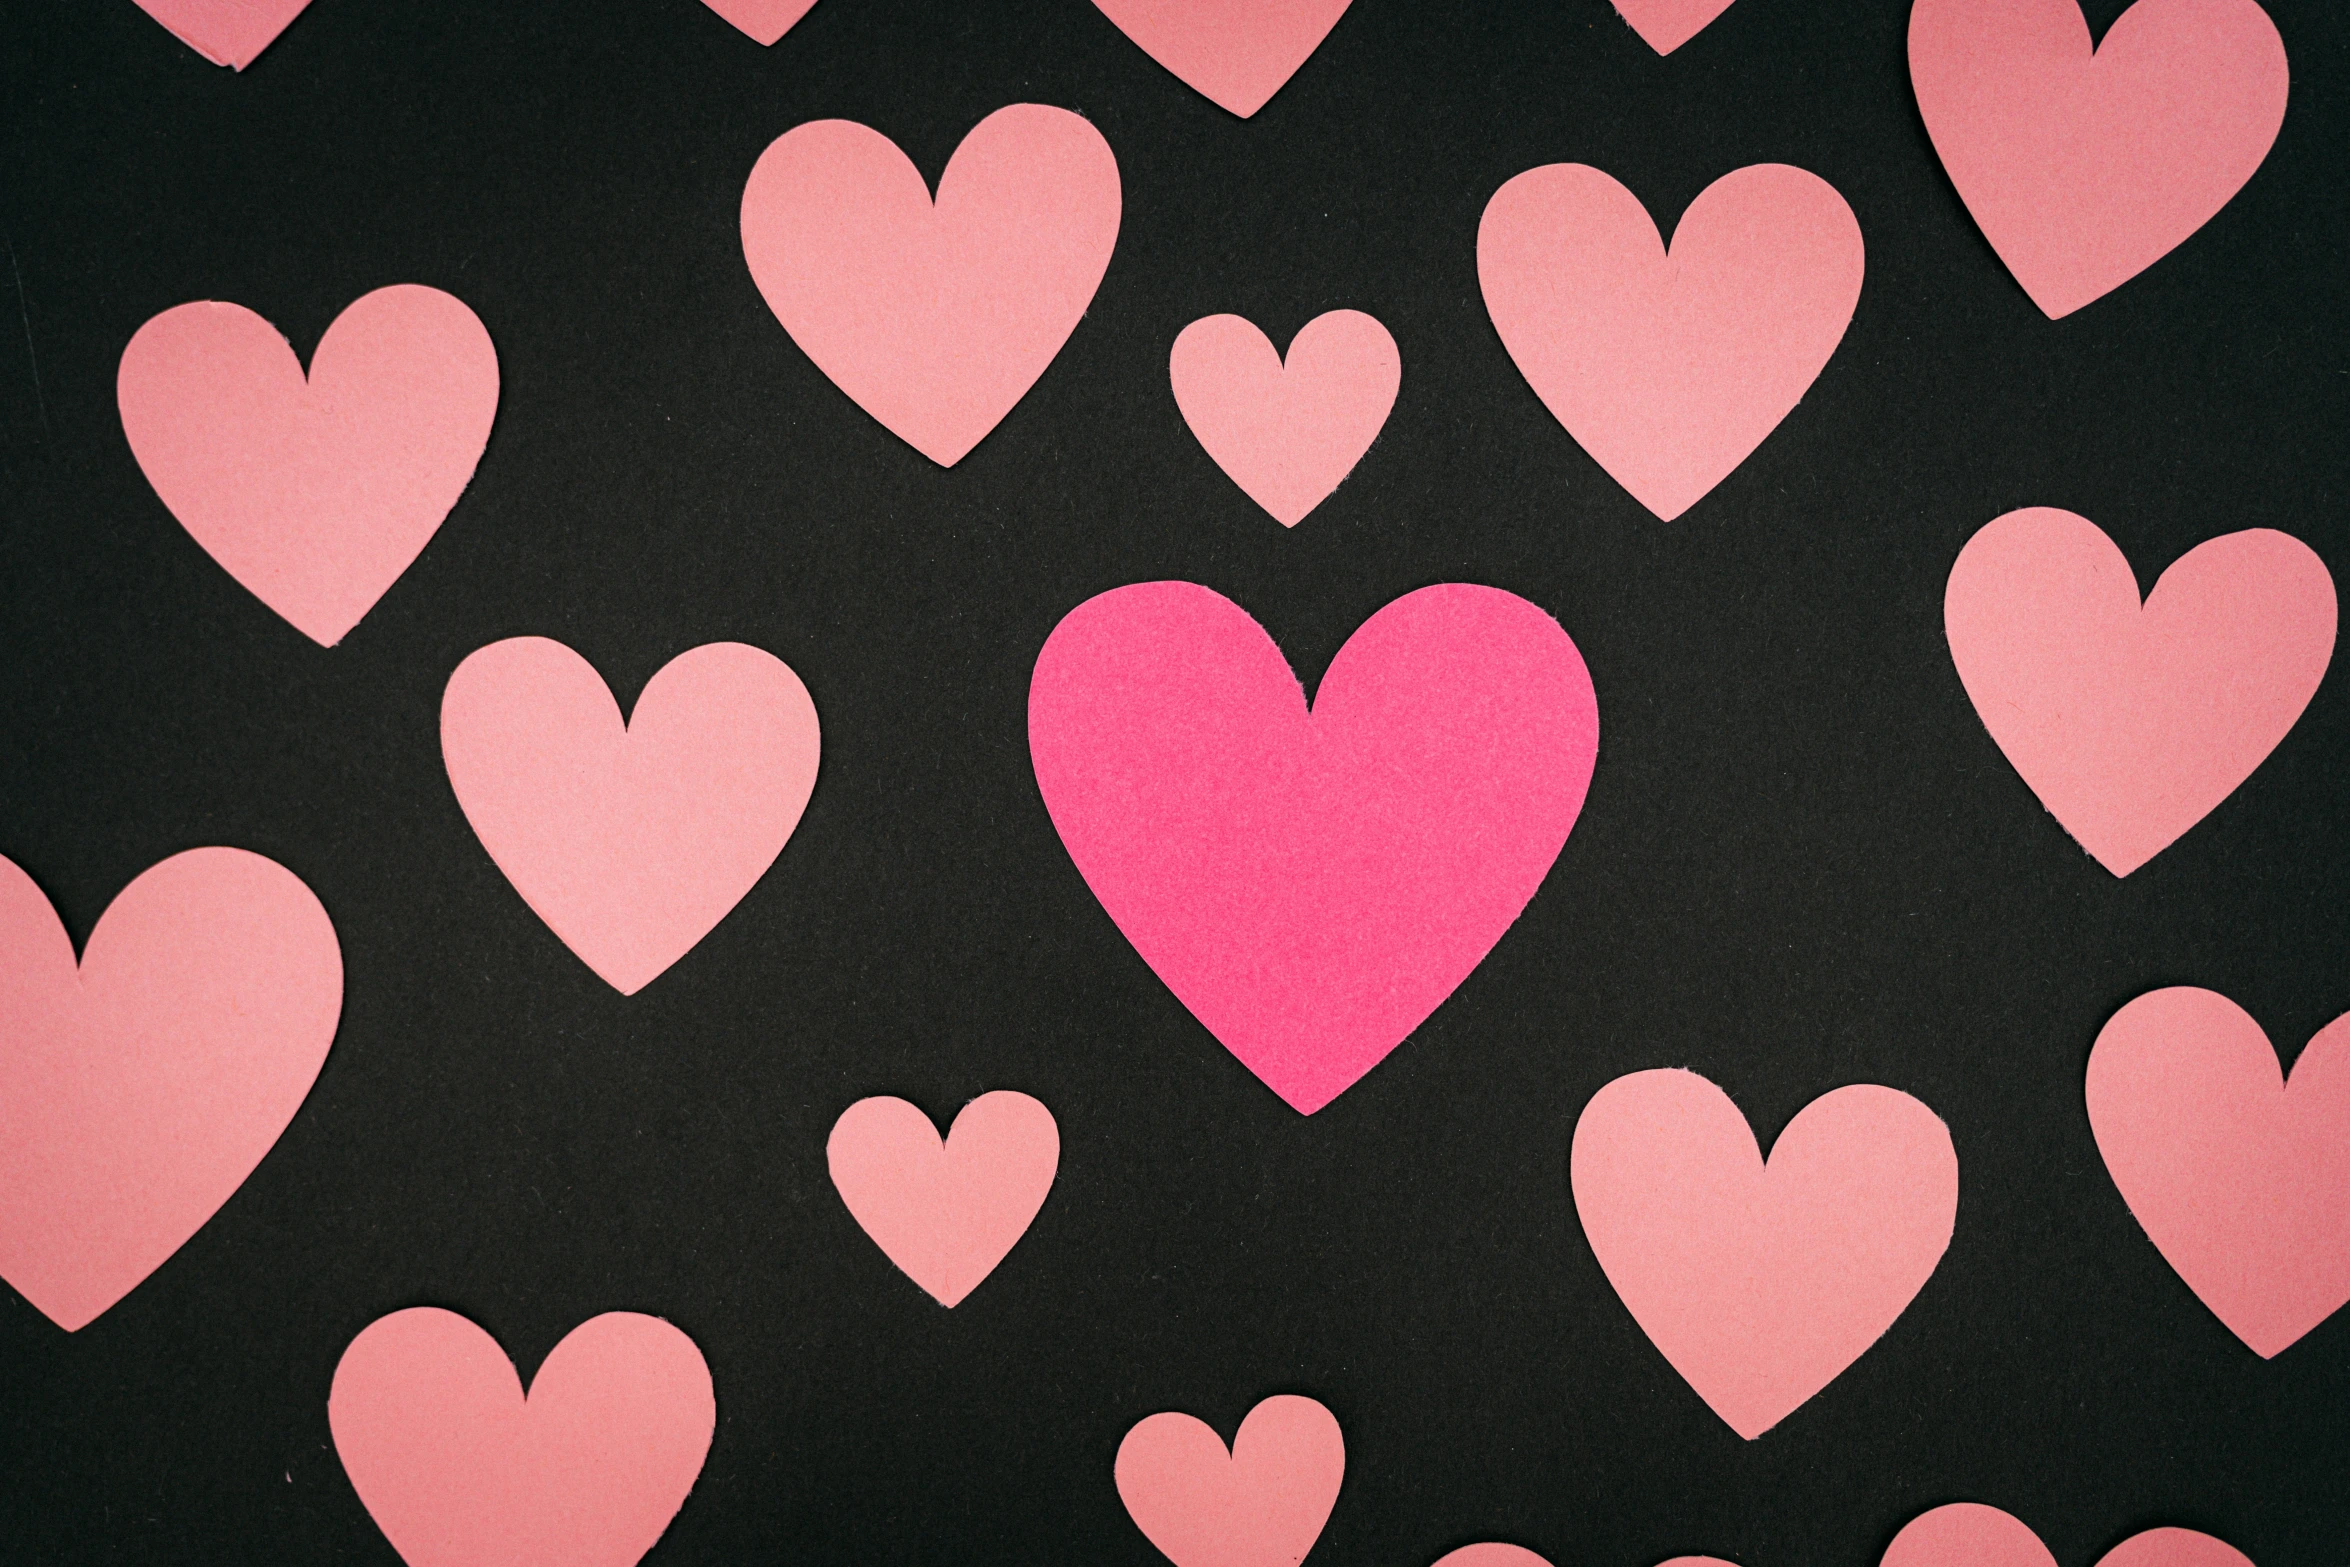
x,y
1261,1505
138,1090
1669,368
1762,1282
1969,1534
945,1212
2238,1176
934,318
631,839
1491,1553
763,20
459,1469
226,32
1286,433
1668,24
2132,722
1234,53
1312,884
2086,165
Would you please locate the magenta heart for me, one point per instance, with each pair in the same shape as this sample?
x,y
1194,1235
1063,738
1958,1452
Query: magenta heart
x,y
761,20
945,1211
1665,25
1234,53
1286,433
1263,1504
1969,1534
226,32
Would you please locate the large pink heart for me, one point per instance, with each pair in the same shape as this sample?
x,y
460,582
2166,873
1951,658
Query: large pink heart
x,y
2086,166
226,32
1234,53
1286,433
945,1212
138,1092
2241,1179
1261,1505
761,20
1969,1534
1312,885
631,839
1669,367
1665,25
934,318
2132,722
1759,1281
459,1469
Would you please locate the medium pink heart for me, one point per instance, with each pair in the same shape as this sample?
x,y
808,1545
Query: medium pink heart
x,y
459,1469
2241,1179
1492,1553
1235,53
1666,25
2131,723
1969,1534
937,317
1759,1281
138,1091
226,32
762,20
631,839
2085,166
1286,433
315,493
1261,1505
1669,368
1312,884
945,1212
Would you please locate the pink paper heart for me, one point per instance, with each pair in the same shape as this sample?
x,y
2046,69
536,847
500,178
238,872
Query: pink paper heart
x,y
1669,368
459,1469
631,839
937,317
226,32
1969,1534
1261,1505
1312,885
945,1212
1235,53
2085,166
2241,1179
138,1090
1492,1553
1761,1282
1666,25
762,20
1286,433
2131,723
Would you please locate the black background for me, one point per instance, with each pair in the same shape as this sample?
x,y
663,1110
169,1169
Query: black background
x,y
1803,862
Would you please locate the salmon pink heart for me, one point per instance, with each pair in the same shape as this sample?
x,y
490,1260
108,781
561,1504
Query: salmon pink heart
x,y
1235,53
762,21
1665,25
226,32
1261,1505
1287,433
945,1212
1969,1534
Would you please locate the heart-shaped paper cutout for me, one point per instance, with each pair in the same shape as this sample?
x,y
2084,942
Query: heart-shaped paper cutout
x,y
226,32
945,1212
762,20
1969,1534
631,840
1665,25
1235,53
1492,1553
1286,433
1263,1504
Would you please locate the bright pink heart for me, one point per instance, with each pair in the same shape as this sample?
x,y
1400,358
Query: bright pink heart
x,y
226,32
2086,166
2131,723
631,839
1668,24
459,1469
1669,368
762,20
1261,1505
1762,1282
1969,1534
945,1212
1312,885
934,318
1234,53
138,1091
2241,1180
1287,434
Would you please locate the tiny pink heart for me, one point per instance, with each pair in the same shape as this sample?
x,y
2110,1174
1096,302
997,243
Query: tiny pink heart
x,y
631,839
226,32
459,1469
2132,722
945,1212
1669,367
1235,53
1969,1534
1665,25
1261,1505
762,20
139,1089
1286,433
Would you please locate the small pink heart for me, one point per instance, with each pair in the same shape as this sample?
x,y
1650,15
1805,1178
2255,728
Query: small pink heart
x,y
2132,722
945,1212
1668,24
2086,165
138,1090
1261,1505
1761,1282
2241,1179
937,317
1234,53
1492,1553
1312,884
459,1469
631,839
1969,1534
226,32
1287,434
762,20
1669,368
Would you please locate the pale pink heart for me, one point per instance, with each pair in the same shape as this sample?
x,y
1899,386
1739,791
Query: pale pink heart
x,y
1760,1282
1665,25
633,839
459,1469
1669,367
935,318
226,32
2085,166
139,1090
1492,1553
1286,433
2241,1179
1969,1534
945,1212
762,20
1261,1505
1312,884
2132,722
1234,53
